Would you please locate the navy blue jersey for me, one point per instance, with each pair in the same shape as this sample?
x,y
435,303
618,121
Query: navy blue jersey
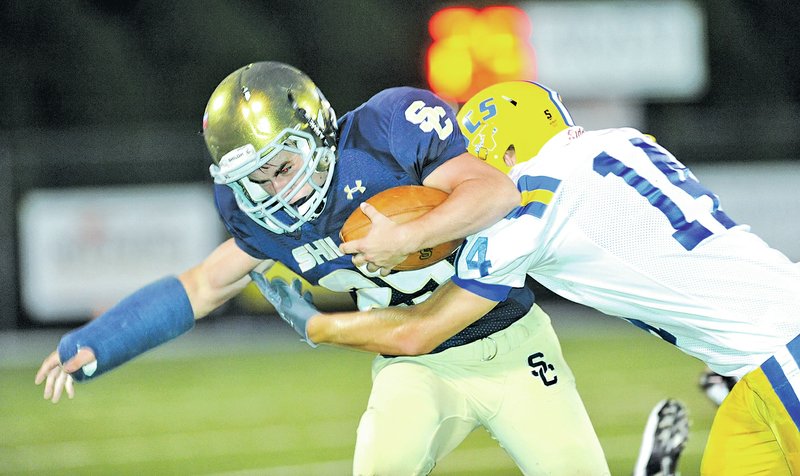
x,y
398,137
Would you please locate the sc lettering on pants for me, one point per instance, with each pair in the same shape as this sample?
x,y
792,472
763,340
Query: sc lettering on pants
x,y
541,369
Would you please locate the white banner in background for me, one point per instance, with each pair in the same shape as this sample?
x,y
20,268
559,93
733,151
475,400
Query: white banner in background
x,y
620,49
82,250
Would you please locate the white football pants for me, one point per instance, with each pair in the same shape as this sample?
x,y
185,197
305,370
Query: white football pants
x,y
515,383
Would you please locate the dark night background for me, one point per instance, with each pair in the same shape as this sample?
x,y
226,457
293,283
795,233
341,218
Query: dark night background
x,y
99,92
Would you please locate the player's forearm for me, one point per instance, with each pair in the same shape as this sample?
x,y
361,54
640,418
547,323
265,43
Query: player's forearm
x,y
147,318
409,330
390,331
472,206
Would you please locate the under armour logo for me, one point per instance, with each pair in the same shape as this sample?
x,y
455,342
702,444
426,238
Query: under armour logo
x,y
540,368
358,188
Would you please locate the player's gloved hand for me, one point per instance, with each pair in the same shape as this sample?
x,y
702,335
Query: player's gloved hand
x,y
294,306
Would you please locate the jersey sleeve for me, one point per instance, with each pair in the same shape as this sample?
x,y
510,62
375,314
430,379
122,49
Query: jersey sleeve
x,y
492,292
238,225
493,261
420,128
491,280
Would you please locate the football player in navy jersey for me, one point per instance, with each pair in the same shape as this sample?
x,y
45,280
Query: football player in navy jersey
x,y
287,175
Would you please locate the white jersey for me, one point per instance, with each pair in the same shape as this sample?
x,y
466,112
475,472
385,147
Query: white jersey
x,y
613,221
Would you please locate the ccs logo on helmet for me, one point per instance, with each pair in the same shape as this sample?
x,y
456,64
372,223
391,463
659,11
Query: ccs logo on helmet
x,y
487,109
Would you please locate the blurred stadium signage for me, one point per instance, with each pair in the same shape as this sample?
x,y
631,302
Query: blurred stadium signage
x,y
644,49
583,49
81,250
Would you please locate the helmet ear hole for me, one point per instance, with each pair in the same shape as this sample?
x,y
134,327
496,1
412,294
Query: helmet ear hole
x,y
510,156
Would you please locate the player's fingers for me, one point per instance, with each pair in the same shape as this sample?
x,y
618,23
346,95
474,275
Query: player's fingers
x,y
297,286
385,271
366,272
350,247
50,381
58,388
359,260
48,364
264,266
84,356
371,212
374,268
70,387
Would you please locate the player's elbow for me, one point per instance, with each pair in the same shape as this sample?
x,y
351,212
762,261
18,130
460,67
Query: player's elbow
x,y
504,196
413,346
415,340
204,296
509,196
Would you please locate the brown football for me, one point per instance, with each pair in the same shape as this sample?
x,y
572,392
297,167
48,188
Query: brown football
x,y
402,204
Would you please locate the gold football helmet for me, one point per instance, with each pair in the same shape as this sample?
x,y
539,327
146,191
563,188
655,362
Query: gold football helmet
x,y
257,115
522,114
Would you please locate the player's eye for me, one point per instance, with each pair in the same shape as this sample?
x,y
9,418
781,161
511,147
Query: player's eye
x,y
284,169
260,181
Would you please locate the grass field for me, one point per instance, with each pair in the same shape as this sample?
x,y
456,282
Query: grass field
x,y
251,400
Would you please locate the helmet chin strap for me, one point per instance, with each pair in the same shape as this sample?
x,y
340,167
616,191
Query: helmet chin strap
x,y
303,205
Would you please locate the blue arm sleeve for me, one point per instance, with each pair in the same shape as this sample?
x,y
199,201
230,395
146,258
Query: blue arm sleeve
x,y
155,314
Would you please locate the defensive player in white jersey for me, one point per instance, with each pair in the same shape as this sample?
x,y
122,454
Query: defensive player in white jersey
x,y
288,174
612,220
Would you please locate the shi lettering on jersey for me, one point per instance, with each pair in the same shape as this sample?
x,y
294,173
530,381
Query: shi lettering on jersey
x,y
315,253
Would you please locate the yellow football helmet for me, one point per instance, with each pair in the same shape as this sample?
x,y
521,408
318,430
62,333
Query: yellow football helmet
x,y
255,113
522,114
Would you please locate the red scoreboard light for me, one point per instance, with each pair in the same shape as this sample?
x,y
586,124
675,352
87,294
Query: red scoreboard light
x,y
472,49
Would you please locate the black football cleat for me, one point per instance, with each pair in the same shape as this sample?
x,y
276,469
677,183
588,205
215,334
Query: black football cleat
x,y
664,439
